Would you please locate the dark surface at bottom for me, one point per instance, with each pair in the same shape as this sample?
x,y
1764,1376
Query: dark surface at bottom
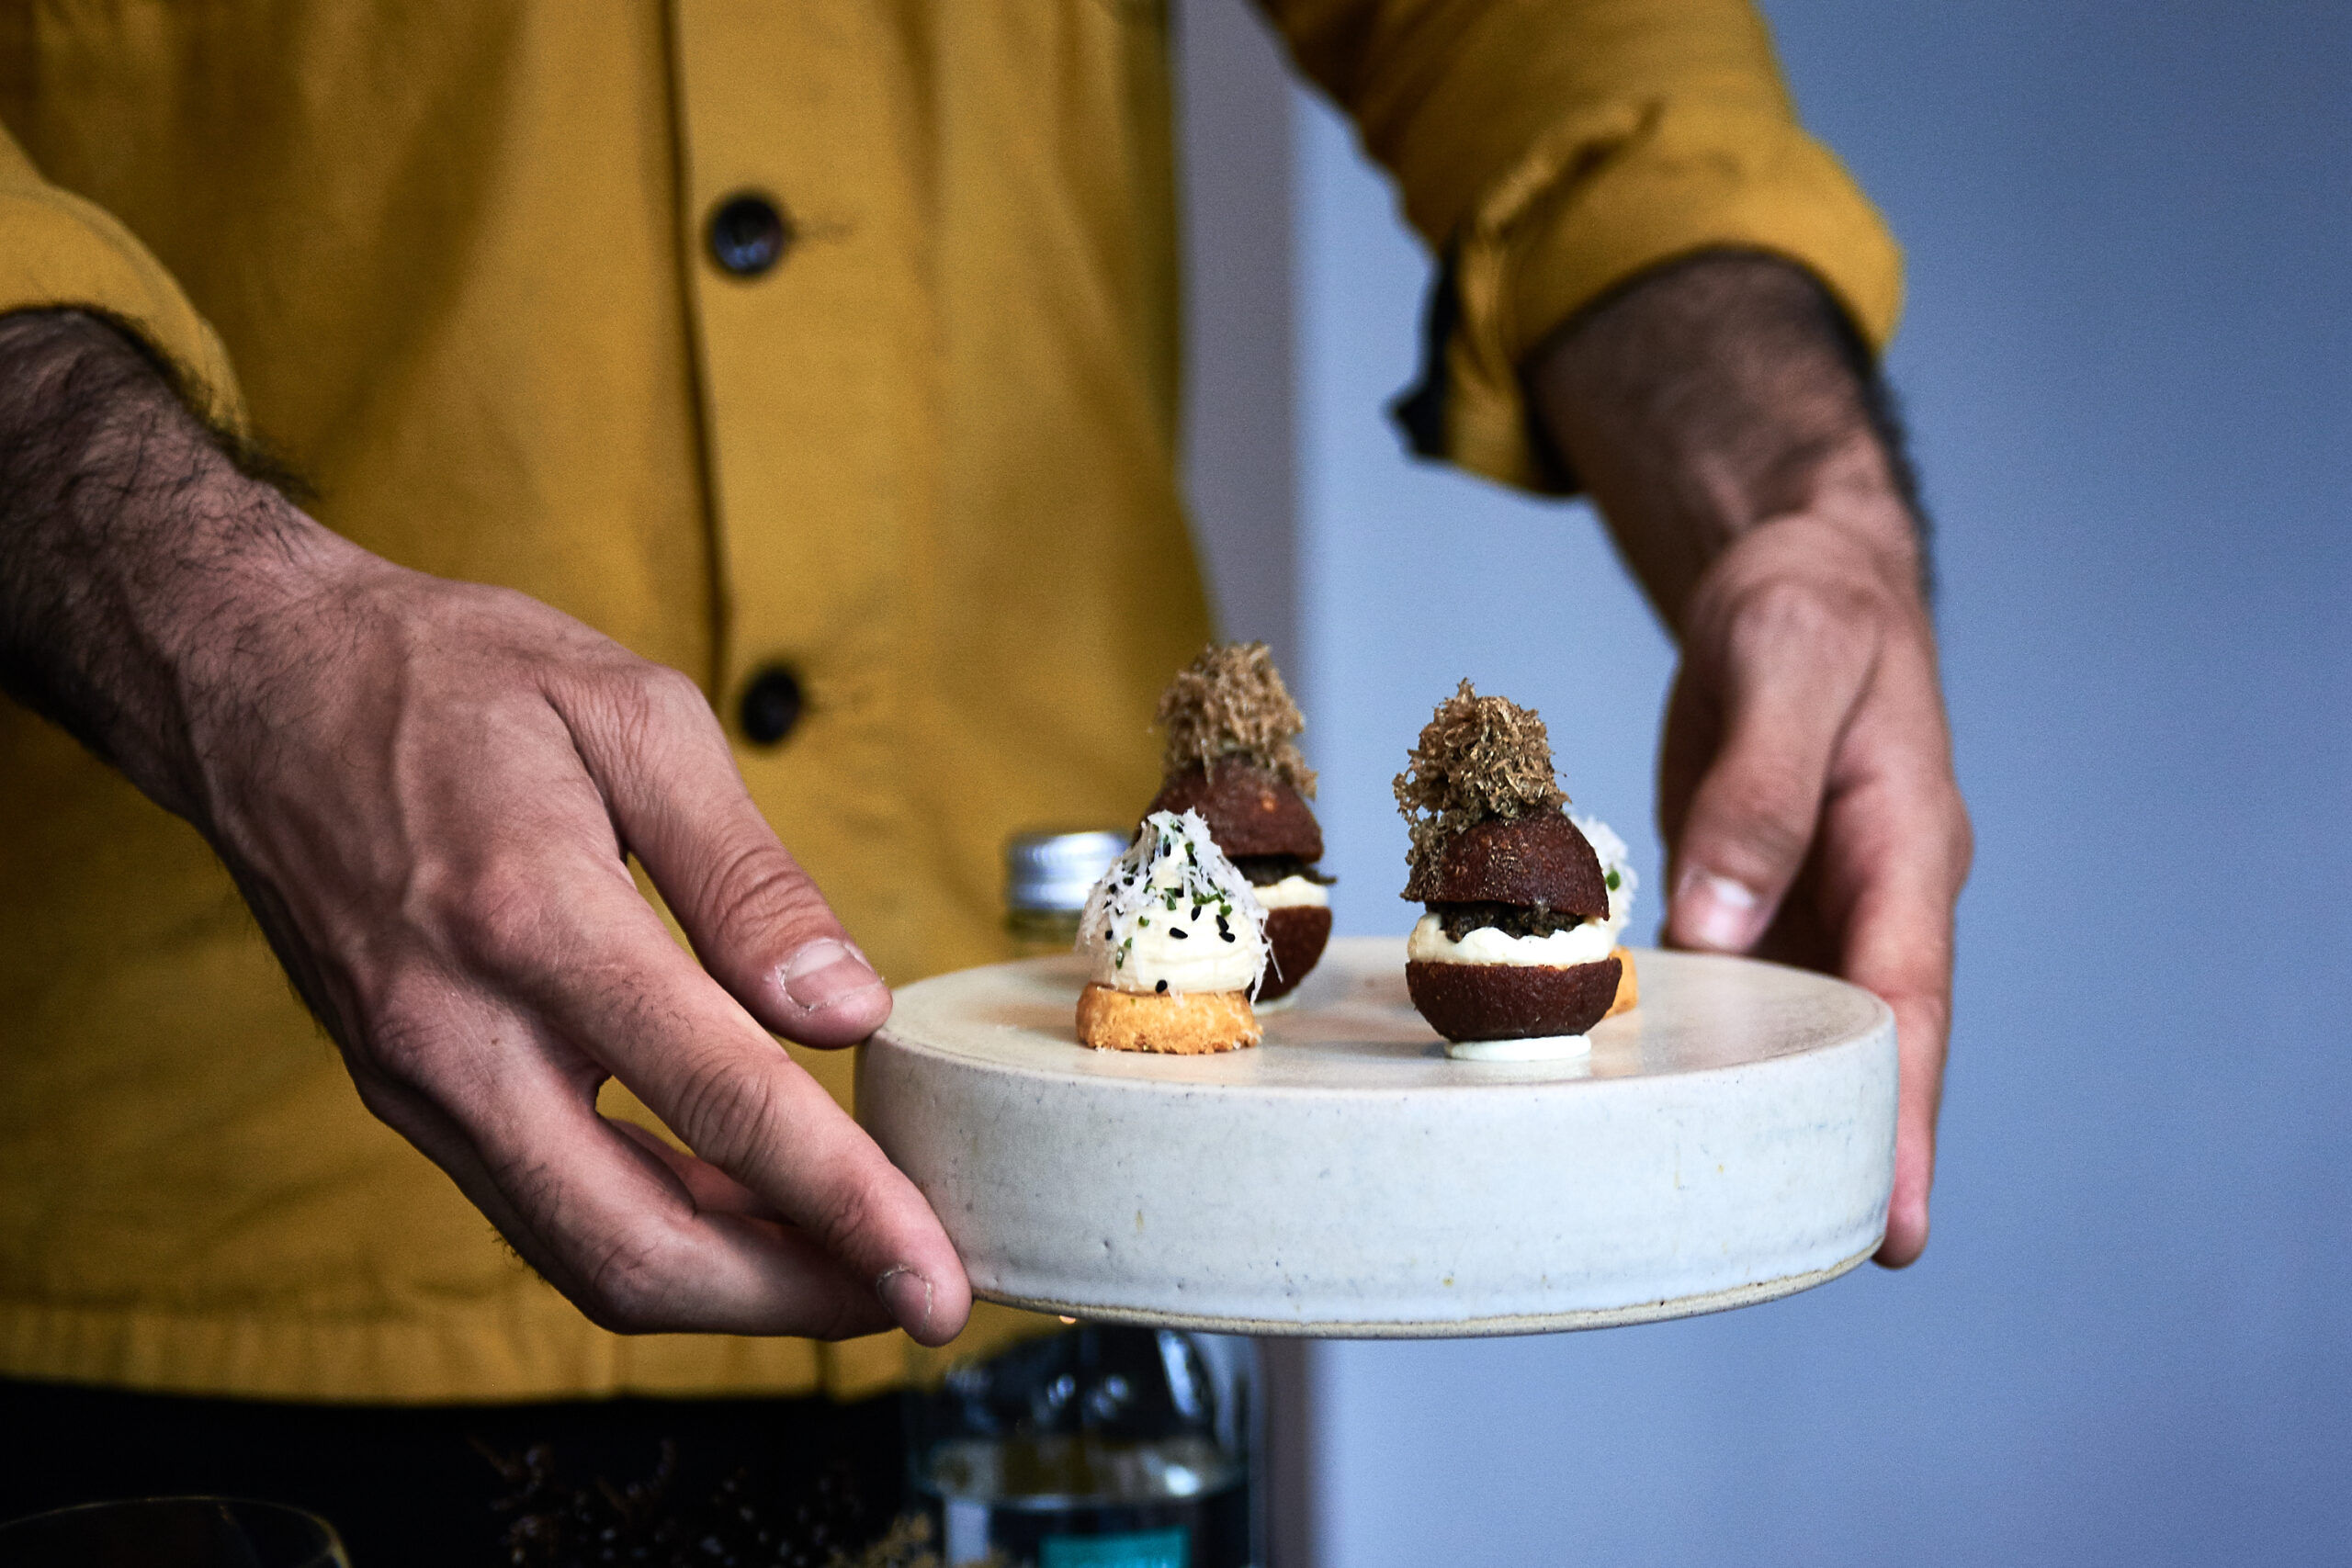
x,y
407,1485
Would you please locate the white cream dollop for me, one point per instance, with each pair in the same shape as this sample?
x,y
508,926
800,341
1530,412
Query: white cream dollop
x,y
1293,893
1587,943
1616,867
1531,1048
1172,914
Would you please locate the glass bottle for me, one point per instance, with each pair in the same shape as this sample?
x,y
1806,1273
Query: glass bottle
x,y
1100,1447
1047,878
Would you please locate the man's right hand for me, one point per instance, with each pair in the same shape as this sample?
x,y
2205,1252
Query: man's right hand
x,y
428,792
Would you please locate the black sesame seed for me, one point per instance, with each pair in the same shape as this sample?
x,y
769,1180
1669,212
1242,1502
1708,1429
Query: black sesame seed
x,y
1180,933
1162,986
1226,934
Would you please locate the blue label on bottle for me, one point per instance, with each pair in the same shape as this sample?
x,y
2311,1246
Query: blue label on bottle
x,y
1148,1549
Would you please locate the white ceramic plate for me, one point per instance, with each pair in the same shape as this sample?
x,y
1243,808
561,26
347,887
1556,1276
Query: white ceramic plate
x,y
1729,1140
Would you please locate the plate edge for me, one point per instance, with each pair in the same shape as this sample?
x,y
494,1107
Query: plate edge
x,y
1659,1311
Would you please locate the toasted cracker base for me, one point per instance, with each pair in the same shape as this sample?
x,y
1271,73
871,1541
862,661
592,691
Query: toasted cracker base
x,y
1629,995
1180,1023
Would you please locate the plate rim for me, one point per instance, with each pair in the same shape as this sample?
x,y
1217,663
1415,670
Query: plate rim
x,y
1516,1073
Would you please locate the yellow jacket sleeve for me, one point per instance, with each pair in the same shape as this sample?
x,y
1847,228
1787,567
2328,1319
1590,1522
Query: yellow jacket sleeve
x,y
1551,150
59,251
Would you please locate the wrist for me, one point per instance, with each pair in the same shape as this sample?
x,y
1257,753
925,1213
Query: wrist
x,y
137,562
245,634
1821,587
1713,397
1854,493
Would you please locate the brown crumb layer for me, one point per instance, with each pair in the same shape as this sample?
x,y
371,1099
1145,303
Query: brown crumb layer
x,y
1229,704
1295,937
1248,810
1537,859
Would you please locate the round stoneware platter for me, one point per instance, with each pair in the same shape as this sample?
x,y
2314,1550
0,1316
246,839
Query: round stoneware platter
x,y
1729,1140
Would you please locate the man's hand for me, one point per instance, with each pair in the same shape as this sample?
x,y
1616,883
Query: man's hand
x,y
427,792
1722,419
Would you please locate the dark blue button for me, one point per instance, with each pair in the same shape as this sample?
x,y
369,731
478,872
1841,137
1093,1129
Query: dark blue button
x,y
747,234
772,705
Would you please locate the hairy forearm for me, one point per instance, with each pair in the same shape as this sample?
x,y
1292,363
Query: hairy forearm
x,y
135,556
1716,394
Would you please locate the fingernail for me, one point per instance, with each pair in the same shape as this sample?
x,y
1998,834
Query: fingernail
x,y
908,1296
826,973
1715,911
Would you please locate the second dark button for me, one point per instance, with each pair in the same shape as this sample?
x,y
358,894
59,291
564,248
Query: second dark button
x,y
747,234
772,705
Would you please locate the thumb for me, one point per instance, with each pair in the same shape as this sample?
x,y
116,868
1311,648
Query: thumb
x,y
1784,669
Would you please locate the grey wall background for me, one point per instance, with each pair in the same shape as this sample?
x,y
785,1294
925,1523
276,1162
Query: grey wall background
x,y
2128,359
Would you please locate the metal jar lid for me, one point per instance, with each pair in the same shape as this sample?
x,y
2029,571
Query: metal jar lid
x,y
1053,872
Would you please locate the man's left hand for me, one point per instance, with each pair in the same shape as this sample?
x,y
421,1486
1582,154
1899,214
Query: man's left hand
x,y
1720,414
1805,786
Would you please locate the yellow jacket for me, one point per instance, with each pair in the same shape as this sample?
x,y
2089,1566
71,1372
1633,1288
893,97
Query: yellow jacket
x,y
454,259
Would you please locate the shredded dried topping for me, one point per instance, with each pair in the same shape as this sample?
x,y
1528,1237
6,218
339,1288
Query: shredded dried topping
x,y
1229,704
1478,758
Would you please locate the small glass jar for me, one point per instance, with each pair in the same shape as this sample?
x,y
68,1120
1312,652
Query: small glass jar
x,y
1047,878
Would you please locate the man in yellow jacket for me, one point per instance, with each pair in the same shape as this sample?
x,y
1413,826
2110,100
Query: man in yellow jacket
x,y
735,419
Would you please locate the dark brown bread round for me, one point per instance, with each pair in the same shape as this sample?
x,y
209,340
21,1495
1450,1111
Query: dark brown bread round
x,y
1536,859
1511,1001
1250,811
1295,934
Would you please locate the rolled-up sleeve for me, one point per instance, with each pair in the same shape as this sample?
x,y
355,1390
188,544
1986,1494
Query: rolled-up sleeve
x,y
1551,150
59,251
